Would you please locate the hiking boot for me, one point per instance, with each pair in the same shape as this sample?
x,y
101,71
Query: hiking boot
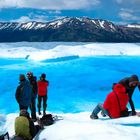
x,y
103,114
93,117
44,113
133,113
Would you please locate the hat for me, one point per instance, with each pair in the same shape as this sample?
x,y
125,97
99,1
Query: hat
x,y
29,74
21,77
43,75
23,112
133,78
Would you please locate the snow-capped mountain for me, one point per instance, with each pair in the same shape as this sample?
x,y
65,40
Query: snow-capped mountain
x,y
133,25
69,29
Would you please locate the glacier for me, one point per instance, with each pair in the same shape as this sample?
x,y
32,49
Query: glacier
x,y
80,76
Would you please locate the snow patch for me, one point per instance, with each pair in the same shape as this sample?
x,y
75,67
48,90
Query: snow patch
x,y
58,23
102,24
112,27
79,126
85,50
133,26
40,26
27,25
93,21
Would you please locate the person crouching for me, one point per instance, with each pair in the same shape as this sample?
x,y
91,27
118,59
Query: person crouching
x,y
115,102
24,126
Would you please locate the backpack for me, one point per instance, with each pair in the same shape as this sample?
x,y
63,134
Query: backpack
x,y
47,120
6,135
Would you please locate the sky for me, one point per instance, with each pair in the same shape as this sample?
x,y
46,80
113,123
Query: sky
x,y
117,11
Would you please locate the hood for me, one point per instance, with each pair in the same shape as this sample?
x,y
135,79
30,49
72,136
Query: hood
x,y
24,82
119,88
133,78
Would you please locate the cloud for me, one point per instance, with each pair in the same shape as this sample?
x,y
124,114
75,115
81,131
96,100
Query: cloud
x,y
129,10
50,4
129,4
24,19
127,14
55,12
128,1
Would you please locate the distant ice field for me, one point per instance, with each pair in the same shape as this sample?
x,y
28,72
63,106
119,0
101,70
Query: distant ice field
x,y
80,75
44,51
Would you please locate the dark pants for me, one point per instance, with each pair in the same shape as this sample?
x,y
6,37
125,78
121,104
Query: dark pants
x,y
33,108
37,128
23,107
44,102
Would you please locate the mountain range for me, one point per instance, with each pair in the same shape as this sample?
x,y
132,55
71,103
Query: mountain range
x,y
69,29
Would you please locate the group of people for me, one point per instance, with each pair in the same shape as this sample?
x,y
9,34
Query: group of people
x,y
115,105
29,88
26,93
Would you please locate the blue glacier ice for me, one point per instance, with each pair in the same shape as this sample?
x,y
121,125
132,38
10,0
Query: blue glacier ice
x,y
75,85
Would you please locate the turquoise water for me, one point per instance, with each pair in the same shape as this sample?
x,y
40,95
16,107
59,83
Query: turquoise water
x,y
76,84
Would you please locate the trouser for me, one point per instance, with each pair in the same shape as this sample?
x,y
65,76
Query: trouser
x,y
44,102
99,108
33,108
23,107
37,128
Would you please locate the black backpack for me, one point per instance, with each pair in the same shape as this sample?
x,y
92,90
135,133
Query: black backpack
x,y
47,120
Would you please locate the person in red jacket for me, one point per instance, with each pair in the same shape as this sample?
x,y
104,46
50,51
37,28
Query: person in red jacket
x,y
42,93
111,106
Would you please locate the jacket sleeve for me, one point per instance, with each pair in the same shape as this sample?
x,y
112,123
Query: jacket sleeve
x,y
17,95
106,104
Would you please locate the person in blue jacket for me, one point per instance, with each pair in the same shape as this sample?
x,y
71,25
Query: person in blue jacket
x,y
23,93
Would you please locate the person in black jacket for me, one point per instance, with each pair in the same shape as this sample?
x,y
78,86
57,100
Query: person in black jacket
x,y
33,83
23,93
130,83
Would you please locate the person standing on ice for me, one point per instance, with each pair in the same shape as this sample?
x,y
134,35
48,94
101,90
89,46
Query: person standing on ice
x,y
130,83
33,83
42,85
23,93
115,102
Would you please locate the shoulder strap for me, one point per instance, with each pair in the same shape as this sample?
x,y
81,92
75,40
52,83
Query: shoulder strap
x,y
118,101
